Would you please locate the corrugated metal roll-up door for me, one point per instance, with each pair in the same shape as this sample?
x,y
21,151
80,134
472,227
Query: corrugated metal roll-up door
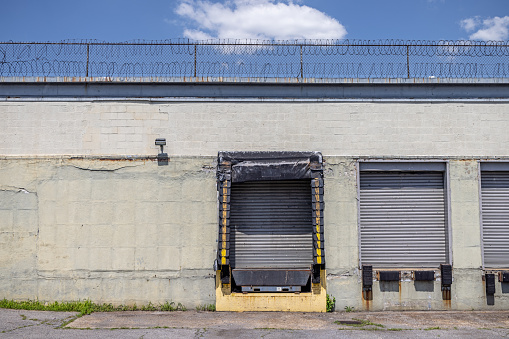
x,y
495,218
403,219
271,225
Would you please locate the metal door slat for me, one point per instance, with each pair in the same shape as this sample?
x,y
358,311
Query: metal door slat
x,y
271,225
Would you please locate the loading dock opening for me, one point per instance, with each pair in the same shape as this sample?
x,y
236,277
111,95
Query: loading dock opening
x,y
270,231
495,215
403,215
404,222
271,234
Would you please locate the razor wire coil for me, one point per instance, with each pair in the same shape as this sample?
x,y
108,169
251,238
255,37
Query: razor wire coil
x,y
321,59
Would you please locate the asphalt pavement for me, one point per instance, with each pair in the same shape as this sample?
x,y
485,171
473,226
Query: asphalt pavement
x,y
196,324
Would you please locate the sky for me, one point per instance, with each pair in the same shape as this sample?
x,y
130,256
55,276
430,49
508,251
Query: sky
x,y
127,20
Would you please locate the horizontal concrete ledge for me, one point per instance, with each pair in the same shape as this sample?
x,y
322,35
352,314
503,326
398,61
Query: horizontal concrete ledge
x,y
80,157
259,80
394,158
240,100
255,91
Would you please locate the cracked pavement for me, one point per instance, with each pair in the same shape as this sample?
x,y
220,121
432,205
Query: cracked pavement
x,y
195,324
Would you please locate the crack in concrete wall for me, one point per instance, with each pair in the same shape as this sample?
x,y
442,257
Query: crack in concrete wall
x,y
15,189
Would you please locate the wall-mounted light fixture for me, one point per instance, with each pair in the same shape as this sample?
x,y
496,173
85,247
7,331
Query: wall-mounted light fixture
x,y
162,158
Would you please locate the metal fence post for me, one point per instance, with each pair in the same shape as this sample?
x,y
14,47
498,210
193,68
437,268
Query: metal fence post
x,y
195,61
88,56
408,61
301,65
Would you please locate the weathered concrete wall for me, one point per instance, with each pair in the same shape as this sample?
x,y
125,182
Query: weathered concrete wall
x,y
202,128
111,231
18,240
133,232
130,231
341,232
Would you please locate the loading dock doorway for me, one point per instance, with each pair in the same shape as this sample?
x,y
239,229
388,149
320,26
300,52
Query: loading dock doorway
x,y
403,215
271,236
495,214
270,222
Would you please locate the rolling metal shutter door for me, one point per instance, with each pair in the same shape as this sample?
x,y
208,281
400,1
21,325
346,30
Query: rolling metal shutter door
x,y
271,225
495,218
402,219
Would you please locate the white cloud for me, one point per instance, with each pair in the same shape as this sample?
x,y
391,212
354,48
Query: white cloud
x,y
470,24
256,19
495,28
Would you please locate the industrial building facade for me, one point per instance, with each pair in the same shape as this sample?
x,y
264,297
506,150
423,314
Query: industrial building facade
x,y
394,196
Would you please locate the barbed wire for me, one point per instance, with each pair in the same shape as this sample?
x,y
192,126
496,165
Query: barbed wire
x,y
325,59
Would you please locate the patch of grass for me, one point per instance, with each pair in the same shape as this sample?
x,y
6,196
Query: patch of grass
x,y
362,329
330,303
432,328
85,307
68,320
170,306
200,333
369,323
17,328
265,328
148,307
349,309
209,308
359,323
364,325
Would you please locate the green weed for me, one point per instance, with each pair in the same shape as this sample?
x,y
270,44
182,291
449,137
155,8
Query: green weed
x,y
209,308
170,306
85,307
330,303
359,323
432,328
349,308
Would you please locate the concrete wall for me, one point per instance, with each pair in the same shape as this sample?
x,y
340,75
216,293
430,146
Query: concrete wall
x,y
203,128
130,231
111,231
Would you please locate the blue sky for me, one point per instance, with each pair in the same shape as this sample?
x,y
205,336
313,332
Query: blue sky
x,y
123,20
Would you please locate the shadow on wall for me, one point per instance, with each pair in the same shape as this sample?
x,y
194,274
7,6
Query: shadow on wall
x,y
389,286
420,286
424,286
